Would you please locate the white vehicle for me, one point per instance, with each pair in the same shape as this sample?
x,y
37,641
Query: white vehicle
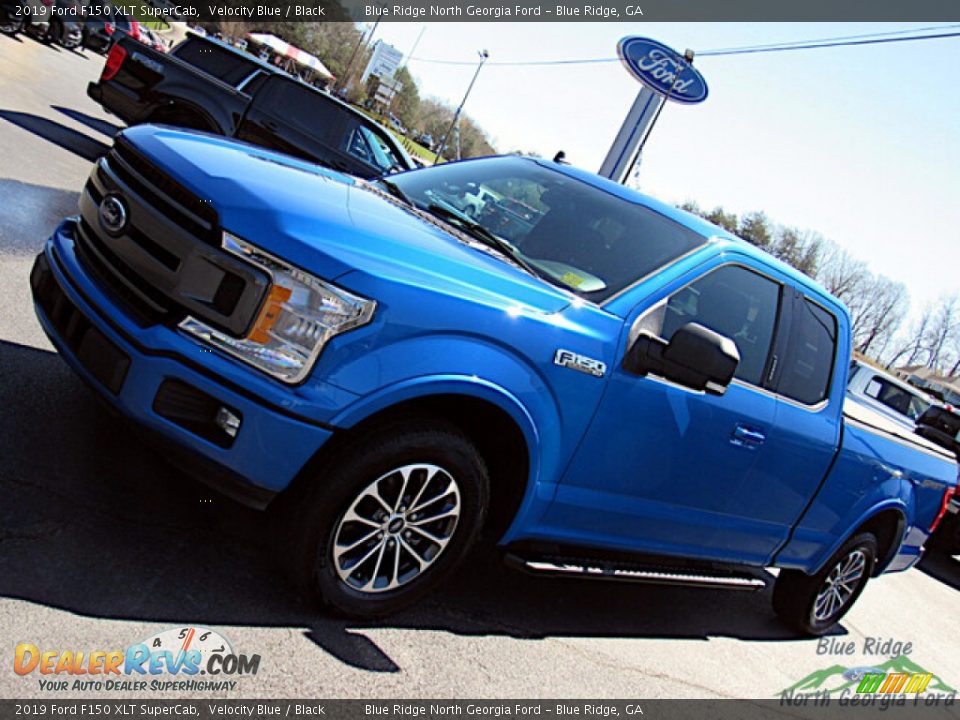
x,y
474,201
896,399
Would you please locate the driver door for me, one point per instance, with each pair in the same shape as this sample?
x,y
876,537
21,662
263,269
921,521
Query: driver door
x,y
663,469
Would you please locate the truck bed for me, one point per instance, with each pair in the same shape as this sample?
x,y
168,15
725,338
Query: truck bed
x,y
880,467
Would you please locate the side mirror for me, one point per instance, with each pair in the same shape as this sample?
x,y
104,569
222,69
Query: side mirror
x,y
695,357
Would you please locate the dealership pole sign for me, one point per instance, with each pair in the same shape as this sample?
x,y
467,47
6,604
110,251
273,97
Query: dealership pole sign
x,y
662,70
665,75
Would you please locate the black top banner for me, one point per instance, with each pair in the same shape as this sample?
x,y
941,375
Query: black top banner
x,y
549,10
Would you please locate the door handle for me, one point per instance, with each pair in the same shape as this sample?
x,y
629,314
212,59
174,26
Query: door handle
x,y
744,436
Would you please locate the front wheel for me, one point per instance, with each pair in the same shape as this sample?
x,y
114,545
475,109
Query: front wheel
x,y
10,24
813,604
391,517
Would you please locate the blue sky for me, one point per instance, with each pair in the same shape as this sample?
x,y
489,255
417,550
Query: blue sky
x,y
861,144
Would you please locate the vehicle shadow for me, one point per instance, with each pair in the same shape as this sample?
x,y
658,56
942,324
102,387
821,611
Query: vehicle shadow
x,y
942,567
95,522
60,135
29,213
101,126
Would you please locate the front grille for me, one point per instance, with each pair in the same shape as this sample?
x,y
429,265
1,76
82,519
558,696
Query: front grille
x,y
147,306
165,262
101,358
190,212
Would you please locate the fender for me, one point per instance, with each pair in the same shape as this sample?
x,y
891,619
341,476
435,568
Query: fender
x,y
183,98
903,509
541,445
893,494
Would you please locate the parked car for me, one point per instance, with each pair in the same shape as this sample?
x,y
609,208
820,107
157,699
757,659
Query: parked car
x,y
622,392
153,39
475,199
898,400
98,34
31,16
66,26
206,84
11,17
941,424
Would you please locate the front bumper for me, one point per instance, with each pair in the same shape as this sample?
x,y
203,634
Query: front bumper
x,y
147,384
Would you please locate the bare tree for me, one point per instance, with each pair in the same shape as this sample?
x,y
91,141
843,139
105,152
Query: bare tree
x,y
799,248
840,273
942,332
880,308
911,345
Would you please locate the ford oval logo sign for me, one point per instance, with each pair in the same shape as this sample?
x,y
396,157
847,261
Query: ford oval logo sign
x,y
662,69
113,214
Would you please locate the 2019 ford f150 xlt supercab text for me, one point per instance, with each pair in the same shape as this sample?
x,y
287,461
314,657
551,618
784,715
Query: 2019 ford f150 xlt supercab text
x,y
613,388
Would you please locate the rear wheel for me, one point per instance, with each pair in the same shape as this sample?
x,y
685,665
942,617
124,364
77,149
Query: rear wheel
x,y
391,518
54,33
813,604
182,119
10,24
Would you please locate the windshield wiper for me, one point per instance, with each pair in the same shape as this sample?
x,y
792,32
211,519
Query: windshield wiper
x,y
478,231
395,190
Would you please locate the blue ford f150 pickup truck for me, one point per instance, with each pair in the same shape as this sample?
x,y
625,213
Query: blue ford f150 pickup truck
x,y
610,388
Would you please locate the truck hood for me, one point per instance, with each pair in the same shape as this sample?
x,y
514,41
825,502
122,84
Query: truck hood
x,y
332,224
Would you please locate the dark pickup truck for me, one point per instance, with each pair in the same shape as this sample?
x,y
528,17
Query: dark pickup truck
x,y
205,84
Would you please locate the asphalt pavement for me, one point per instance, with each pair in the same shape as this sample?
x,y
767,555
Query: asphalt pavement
x,y
102,543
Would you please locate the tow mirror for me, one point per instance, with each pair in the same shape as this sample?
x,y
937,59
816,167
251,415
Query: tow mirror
x,y
695,357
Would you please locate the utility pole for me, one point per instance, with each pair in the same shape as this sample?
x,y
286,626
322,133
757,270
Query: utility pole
x,y
456,116
363,39
406,61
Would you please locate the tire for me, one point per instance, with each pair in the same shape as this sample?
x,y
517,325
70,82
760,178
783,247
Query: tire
x,y
53,34
368,558
805,602
10,25
186,120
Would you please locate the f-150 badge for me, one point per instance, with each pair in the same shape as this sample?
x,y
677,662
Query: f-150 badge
x,y
581,363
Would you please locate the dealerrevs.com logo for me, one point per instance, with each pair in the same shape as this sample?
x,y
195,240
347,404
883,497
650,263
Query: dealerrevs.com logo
x,y
185,659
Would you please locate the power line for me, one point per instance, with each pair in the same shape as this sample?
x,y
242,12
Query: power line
x,y
905,31
844,41
848,43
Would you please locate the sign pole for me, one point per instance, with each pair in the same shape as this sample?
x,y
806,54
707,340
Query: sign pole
x,y
623,152
665,75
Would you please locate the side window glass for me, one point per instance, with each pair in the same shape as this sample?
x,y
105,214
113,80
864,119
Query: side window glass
x,y
357,145
302,108
737,303
811,350
254,84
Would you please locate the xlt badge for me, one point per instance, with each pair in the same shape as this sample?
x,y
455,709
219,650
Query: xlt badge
x,y
581,363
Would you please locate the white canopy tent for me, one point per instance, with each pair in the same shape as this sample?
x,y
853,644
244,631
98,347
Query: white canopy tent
x,y
285,49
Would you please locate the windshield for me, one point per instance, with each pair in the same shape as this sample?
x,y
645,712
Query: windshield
x,y
572,234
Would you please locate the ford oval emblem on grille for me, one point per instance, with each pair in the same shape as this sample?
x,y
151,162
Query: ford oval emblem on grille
x,y
113,214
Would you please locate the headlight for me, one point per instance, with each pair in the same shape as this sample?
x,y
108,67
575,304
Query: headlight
x,y
301,313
